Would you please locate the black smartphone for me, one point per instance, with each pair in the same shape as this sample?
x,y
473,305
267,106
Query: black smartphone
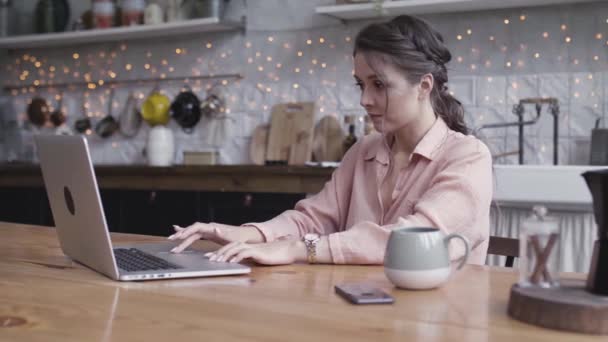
x,y
363,294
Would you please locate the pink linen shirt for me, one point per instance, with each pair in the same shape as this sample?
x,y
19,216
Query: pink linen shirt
x,y
447,184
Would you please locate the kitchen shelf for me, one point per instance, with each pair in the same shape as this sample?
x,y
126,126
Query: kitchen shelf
x,y
119,33
394,8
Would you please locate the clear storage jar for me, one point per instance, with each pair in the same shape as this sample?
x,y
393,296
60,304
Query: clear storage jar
x,y
133,12
539,245
103,14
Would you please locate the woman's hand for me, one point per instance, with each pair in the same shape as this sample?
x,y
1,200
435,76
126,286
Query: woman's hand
x,y
218,233
273,253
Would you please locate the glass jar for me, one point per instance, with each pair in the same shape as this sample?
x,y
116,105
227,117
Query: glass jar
x,y
539,250
103,14
6,18
133,12
203,8
153,14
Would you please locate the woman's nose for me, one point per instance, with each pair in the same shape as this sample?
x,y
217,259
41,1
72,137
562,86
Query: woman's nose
x,y
366,99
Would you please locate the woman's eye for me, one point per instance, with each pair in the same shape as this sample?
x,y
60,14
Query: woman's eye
x,y
359,85
379,84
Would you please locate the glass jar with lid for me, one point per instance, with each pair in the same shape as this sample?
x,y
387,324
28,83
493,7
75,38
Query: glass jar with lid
x,y
133,12
539,250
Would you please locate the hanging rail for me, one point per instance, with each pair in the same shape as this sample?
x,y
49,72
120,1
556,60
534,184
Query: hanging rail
x,y
117,82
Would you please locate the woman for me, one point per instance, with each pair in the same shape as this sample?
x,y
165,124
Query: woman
x,y
421,169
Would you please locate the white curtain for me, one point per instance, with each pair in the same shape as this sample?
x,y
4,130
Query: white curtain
x,y
577,233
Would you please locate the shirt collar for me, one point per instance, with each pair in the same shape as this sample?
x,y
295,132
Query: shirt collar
x,y
426,146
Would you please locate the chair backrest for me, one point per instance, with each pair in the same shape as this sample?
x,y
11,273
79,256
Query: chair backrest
x,y
508,247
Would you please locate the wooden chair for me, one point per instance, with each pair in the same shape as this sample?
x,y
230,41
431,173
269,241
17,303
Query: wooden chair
x,y
508,247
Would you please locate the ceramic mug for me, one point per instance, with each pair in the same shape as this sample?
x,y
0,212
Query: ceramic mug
x,y
418,258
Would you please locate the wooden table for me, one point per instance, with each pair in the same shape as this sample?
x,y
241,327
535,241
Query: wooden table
x,y
46,297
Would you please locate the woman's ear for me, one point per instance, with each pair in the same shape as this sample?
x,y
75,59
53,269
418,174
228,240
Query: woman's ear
x,y
425,86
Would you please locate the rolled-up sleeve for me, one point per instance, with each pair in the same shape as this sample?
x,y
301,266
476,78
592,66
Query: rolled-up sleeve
x,y
457,201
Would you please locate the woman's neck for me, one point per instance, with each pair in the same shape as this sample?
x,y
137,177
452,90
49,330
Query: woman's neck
x,y
406,138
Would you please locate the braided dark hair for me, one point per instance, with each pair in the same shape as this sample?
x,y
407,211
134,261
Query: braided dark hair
x,y
415,47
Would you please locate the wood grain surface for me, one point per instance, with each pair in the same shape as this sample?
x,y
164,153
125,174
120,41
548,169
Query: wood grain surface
x,y
44,296
328,139
257,146
290,135
233,178
566,307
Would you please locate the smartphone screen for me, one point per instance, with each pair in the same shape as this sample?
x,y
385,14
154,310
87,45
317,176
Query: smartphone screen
x,y
363,294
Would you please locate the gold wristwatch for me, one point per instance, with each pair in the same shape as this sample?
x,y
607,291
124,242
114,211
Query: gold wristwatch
x,y
310,241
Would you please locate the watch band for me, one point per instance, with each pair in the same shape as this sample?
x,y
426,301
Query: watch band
x,y
310,241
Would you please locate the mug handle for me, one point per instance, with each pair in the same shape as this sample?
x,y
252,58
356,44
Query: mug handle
x,y
466,247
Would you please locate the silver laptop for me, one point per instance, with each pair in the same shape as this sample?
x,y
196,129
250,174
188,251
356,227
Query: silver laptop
x,y
80,222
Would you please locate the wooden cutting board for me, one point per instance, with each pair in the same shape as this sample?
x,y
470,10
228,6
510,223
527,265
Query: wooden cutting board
x,y
257,147
290,134
328,140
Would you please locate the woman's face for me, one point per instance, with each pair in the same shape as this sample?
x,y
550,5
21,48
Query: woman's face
x,y
393,89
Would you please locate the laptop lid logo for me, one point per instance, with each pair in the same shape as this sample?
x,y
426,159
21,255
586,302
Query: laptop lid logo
x,y
69,201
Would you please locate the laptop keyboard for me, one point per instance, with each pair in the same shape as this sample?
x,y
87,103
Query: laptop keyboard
x,y
134,260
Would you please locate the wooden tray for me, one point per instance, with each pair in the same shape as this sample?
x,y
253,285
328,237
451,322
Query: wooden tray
x,y
568,307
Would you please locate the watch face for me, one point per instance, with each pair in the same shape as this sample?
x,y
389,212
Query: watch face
x,y
311,237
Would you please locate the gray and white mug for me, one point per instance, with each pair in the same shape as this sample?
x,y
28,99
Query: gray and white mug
x,y
417,258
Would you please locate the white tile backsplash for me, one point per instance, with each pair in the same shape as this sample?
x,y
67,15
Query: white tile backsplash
x,y
463,88
555,85
491,90
582,119
521,86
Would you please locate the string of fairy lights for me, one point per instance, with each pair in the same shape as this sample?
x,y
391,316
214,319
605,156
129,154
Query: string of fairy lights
x,y
281,66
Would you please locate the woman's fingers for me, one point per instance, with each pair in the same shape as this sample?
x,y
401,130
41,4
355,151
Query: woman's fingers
x,y
187,242
242,255
215,255
183,233
178,232
228,251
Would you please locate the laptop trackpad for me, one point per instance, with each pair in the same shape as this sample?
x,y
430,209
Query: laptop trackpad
x,y
163,249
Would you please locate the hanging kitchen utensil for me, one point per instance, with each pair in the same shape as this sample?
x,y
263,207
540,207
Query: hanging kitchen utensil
x,y
130,118
214,105
38,111
83,124
108,125
155,109
186,109
57,117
